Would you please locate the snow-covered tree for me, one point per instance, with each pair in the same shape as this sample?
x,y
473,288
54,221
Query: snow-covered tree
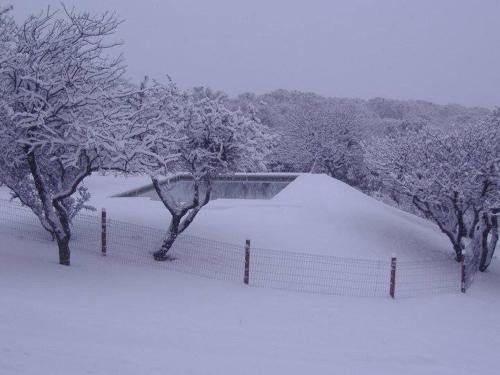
x,y
331,136
322,137
58,103
193,133
7,34
486,208
451,178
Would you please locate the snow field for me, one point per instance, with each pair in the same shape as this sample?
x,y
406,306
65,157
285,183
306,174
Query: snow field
x,y
101,316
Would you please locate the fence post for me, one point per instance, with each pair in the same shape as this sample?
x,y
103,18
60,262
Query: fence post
x,y
246,277
463,277
103,232
392,288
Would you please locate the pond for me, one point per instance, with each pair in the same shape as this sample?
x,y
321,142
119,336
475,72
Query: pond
x,y
249,186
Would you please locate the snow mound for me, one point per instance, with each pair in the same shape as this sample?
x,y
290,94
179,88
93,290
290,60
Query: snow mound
x,y
312,189
359,222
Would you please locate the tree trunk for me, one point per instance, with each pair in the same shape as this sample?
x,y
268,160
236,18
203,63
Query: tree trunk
x,y
173,232
182,215
64,252
313,166
459,256
456,235
488,247
58,222
475,220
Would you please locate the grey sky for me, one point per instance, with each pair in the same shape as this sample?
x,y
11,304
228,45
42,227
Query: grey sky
x,y
447,51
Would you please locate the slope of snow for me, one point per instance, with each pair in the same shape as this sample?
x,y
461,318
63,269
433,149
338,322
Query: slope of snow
x,y
360,222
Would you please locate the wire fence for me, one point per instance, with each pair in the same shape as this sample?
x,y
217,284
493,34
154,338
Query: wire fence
x,y
129,243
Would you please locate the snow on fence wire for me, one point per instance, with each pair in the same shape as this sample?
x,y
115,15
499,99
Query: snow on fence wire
x,y
133,244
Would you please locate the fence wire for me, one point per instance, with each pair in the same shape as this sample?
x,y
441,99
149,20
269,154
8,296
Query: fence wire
x,y
318,274
416,278
129,243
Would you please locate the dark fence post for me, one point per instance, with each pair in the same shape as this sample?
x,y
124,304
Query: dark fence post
x,y
463,277
392,289
103,232
246,277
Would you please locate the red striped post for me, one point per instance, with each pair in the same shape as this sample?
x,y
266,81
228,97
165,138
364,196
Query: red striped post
x,y
103,232
246,277
392,288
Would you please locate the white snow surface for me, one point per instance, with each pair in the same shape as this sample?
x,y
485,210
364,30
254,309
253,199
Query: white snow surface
x,y
100,317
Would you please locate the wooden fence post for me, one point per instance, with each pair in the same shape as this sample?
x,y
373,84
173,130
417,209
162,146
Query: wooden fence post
x,y
246,277
103,232
392,289
463,277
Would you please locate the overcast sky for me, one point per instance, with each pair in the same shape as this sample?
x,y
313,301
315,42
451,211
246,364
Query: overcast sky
x,y
447,51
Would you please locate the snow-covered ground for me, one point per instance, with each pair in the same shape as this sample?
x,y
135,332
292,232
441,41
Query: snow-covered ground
x,y
100,317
